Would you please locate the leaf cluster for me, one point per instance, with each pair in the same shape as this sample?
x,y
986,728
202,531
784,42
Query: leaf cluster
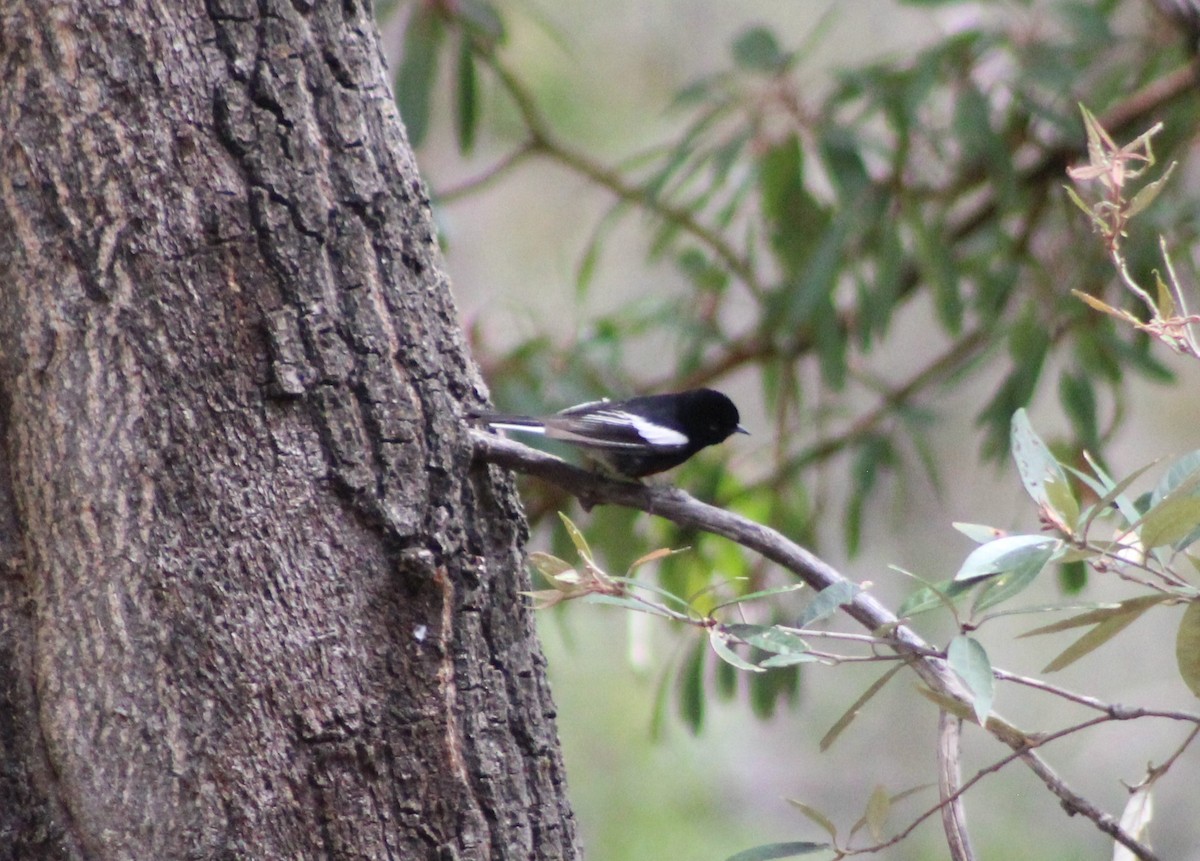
x,y
806,214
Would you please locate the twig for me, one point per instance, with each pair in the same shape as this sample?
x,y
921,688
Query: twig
x,y
681,508
954,816
542,141
493,173
1115,711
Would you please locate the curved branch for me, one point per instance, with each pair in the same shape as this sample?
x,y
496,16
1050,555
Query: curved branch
x,y
676,505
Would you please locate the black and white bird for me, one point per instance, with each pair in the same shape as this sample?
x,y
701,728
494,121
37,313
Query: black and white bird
x,y
637,437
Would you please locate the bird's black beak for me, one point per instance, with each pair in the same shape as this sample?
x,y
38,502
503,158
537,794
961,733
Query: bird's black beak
x,y
740,429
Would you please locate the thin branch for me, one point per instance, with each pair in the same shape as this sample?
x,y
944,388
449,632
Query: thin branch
x,y
681,508
1115,711
1041,167
544,142
489,176
954,815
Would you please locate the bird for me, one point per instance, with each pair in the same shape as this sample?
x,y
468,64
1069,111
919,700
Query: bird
x,y
637,437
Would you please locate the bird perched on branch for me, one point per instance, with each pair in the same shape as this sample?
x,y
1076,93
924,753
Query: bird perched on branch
x,y
637,437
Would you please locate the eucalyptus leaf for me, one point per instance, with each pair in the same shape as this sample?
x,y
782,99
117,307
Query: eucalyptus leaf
x,y
968,658
1187,647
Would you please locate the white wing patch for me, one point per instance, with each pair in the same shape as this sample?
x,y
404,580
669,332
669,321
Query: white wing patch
x,y
613,429
655,434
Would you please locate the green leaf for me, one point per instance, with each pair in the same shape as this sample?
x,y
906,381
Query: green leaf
x,y
762,593
767,690
1187,647
727,680
757,50
1038,467
728,655
768,851
581,545
1011,583
934,595
549,566
626,604
1010,553
1103,632
1182,476
851,713
879,807
1115,495
792,216
467,116
842,157
827,601
968,658
691,688
1101,614
1072,577
1147,193
481,19
979,533
939,268
875,455
816,816
1078,397
1170,521
418,70
791,659
769,638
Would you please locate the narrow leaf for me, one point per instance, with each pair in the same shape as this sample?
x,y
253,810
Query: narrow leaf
x,y
418,70
1101,614
549,566
762,593
790,659
979,533
769,851
816,816
1170,521
691,688
1187,647
848,717
879,807
728,655
1135,820
577,538
1015,581
654,556
769,638
1146,195
1034,461
757,50
1094,638
626,604
827,601
968,658
467,116
1007,554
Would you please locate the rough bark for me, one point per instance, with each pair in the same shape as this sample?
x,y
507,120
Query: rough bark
x,y
253,603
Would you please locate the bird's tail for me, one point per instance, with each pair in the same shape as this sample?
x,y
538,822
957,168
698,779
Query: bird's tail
x,y
505,421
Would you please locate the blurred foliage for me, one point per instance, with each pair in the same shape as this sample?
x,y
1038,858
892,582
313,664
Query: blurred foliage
x,y
816,218
807,217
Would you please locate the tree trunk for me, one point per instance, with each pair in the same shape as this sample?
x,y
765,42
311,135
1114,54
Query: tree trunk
x,y
254,602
